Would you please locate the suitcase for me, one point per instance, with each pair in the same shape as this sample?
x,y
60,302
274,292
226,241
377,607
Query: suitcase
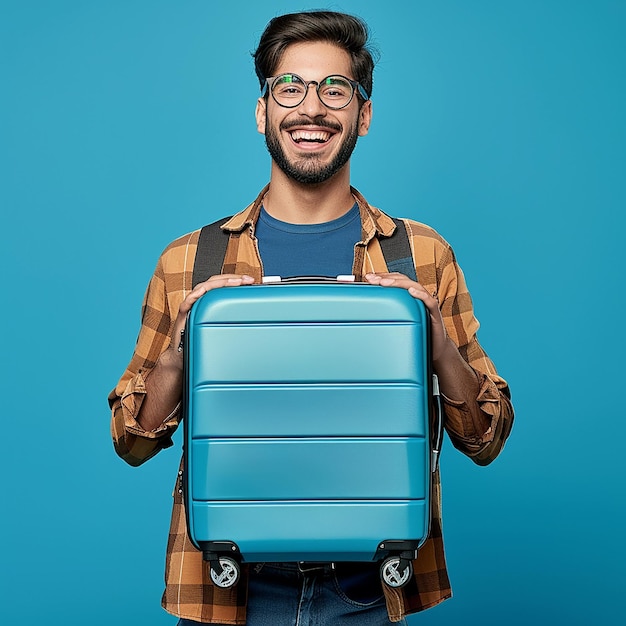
x,y
310,426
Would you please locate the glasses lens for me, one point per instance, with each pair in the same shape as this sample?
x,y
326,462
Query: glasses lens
x,y
288,90
335,92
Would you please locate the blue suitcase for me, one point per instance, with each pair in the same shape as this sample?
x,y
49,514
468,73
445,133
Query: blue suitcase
x,y
309,434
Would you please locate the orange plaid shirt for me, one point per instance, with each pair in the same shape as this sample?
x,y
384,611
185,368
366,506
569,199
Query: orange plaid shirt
x,y
189,592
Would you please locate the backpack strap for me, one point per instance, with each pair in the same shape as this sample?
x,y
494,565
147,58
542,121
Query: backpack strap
x,y
210,253
397,251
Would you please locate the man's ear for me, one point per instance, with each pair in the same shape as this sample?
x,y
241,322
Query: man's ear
x,y
260,114
365,118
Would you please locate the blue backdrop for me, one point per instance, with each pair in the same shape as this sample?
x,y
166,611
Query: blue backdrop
x,y
499,122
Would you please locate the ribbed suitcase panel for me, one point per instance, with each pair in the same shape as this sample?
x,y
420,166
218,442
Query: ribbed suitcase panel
x,y
333,303
308,410
309,469
310,531
311,353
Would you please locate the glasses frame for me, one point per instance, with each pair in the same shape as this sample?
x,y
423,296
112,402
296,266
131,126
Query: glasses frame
x,y
356,88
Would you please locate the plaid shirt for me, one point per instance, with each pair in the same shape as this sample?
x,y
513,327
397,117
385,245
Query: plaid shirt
x,y
189,592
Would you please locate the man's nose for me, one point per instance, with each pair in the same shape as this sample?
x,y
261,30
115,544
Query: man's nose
x,y
312,106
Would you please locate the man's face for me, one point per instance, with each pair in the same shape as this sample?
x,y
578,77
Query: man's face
x,y
310,143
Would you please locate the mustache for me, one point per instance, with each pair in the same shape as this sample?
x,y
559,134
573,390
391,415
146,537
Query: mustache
x,y
307,121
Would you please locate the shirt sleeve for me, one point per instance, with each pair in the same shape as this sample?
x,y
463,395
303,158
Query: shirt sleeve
x,y
131,442
494,398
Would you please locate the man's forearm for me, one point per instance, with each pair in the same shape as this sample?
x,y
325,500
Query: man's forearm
x,y
458,382
163,390
164,384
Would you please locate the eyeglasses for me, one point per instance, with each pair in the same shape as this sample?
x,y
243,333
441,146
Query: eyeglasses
x,y
334,92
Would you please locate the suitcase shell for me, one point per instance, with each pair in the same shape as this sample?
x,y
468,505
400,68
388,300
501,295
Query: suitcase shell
x,y
306,414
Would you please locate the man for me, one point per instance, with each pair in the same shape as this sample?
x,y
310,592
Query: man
x,y
315,73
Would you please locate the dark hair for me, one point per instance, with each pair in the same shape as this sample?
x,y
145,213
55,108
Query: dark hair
x,y
346,31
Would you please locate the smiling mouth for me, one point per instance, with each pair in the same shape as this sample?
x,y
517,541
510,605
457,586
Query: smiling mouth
x,y
304,136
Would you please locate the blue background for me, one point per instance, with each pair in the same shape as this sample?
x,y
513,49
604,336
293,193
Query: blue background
x,y
500,123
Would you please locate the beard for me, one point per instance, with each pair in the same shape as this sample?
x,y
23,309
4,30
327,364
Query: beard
x,y
307,168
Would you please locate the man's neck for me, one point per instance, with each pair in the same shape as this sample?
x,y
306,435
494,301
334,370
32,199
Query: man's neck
x,y
298,203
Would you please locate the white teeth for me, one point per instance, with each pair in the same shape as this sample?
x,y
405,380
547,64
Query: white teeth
x,y
303,135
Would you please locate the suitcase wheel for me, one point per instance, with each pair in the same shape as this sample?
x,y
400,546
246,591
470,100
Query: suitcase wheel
x,y
395,572
229,573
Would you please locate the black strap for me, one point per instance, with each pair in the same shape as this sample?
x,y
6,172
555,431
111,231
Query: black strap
x,y
213,241
211,250
397,251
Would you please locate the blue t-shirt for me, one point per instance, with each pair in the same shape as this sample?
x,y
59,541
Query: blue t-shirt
x,y
325,249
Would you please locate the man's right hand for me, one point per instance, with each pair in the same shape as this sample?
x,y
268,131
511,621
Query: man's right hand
x,y
221,280
164,383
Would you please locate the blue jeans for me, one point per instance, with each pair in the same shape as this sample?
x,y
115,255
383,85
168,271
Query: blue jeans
x,y
280,595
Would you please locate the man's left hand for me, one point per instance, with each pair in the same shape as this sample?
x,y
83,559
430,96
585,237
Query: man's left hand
x,y
430,300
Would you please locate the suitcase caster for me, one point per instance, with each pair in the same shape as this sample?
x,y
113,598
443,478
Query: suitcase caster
x,y
396,571
225,572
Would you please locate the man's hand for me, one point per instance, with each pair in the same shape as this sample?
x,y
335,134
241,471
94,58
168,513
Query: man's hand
x,y
438,330
221,280
165,382
457,379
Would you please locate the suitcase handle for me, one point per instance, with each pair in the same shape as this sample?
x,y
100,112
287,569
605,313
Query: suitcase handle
x,y
438,425
309,280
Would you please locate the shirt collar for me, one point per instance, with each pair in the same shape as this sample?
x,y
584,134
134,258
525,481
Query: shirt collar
x,y
374,221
